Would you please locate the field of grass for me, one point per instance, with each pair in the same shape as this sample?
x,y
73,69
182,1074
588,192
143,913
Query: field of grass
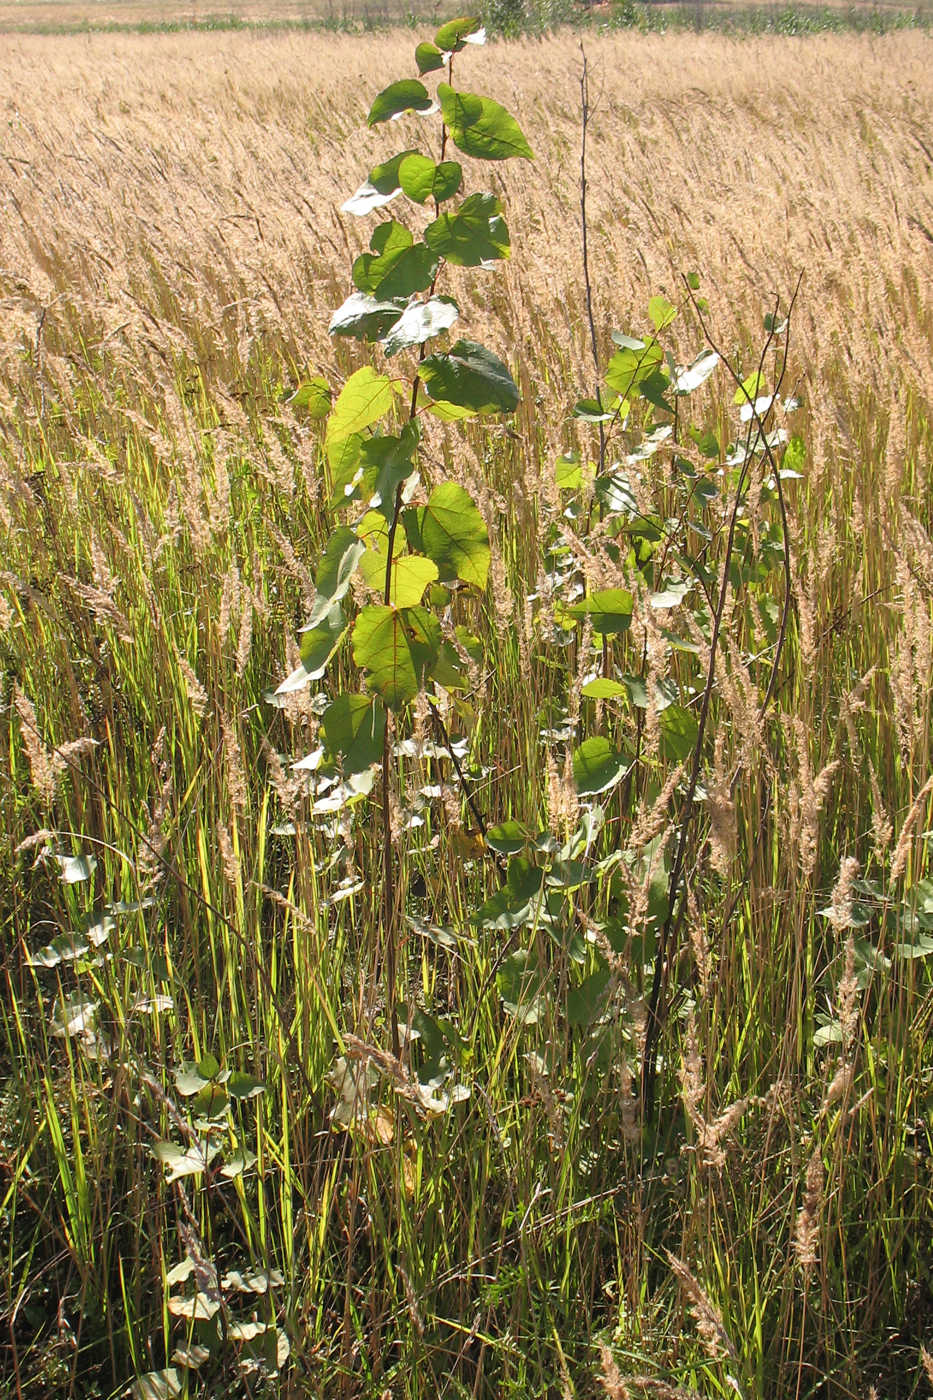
x,y
497,1219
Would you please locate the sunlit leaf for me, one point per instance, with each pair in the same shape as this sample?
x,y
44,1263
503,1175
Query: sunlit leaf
x,y
471,379
314,396
158,1385
354,729
451,531
452,36
609,610
397,646
365,317
661,312
691,376
408,95
410,576
334,572
428,58
597,767
480,127
364,399
422,180
472,234
420,322
180,1163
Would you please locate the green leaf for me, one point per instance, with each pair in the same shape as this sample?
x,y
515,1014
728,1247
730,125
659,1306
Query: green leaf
x,y
508,838
419,322
452,36
451,531
587,1001
385,177
159,1385
334,572
189,1080
354,728
379,189
661,312
629,366
397,266
74,870
365,398
343,462
752,386
318,643
411,574
408,95
428,57
480,127
596,767
518,901
568,473
210,1102
471,378
244,1086
520,983
386,462
691,376
208,1066
471,235
592,411
603,689
397,646
314,396
365,317
795,457
610,610
423,180
194,1162
679,732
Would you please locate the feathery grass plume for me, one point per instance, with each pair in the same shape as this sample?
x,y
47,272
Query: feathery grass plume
x,y
230,861
806,796
709,1324
711,1133
234,769
150,855
840,907
742,701
839,1086
610,1377
244,636
43,769
197,695
723,836
699,943
904,840
806,1237
103,607
846,1001
926,1359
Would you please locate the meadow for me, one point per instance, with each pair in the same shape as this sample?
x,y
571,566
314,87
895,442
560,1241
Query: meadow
x,y
214,1173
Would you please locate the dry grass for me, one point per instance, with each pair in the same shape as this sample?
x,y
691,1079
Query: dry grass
x,y
171,248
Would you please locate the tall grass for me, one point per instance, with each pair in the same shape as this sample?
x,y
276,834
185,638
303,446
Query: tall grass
x,y
170,251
